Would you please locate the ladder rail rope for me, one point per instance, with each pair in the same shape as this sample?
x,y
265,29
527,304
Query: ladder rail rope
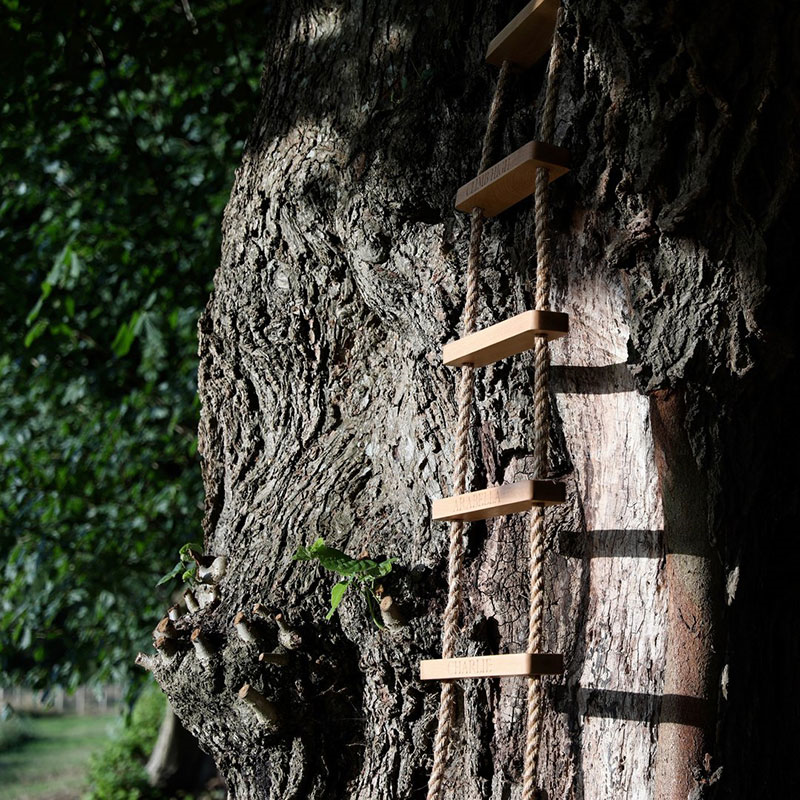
x,y
541,394
466,387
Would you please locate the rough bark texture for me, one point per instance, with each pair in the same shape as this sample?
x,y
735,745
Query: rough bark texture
x,y
327,412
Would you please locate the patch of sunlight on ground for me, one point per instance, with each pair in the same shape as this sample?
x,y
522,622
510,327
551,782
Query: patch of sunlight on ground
x,y
52,765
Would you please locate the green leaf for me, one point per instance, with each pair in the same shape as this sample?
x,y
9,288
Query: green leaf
x,y
127,334
184,551
189,575
34,312
333,559
171,574
35,332
372,570
337,593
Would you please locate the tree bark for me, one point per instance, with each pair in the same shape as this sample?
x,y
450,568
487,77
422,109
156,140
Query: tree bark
x,y
327,411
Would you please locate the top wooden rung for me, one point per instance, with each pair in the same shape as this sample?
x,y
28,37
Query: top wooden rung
x,y
527,37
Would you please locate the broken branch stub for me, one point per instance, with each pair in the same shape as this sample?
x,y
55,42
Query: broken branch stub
x,y
243,629
260,610
202,648
391,615
191,602
166,628
166,646
145,661
212,571
207,595
262,708
288,638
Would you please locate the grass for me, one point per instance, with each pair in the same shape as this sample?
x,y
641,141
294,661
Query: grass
x,y
52,764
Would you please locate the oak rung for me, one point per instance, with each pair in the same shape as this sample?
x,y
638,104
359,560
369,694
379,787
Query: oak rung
x,y
527,664
507,338
512,179
499,500
527,37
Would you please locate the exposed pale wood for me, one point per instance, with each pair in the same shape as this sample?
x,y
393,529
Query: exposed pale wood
x,y
145,661
512,179
207,595
499,500
507,338
527,37
441,669
616,593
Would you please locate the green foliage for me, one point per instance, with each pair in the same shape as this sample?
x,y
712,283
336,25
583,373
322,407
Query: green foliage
x,y
118,771
186,565
358,572
14,730
122,125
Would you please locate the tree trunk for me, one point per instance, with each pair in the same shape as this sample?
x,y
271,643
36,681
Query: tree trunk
x,y
327,411
176,762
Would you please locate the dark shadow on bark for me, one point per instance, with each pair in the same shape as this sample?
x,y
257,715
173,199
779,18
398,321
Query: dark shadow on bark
x,y
617,543
636,706
606,379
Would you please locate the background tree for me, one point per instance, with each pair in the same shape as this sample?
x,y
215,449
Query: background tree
x,y
121,127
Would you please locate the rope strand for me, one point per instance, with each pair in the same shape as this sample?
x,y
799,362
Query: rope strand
x,y
541,394
447,701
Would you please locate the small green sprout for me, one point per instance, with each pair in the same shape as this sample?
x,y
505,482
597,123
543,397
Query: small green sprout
x,y
359,572
189,560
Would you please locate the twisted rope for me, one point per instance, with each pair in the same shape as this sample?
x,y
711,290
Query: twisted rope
x,y
447,701
541,395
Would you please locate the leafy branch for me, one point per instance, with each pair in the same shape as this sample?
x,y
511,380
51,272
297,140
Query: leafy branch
x,y
360,573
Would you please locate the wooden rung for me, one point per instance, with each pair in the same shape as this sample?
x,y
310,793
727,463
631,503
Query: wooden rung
x,y
527,664
512,179
507,338
527,37
499,500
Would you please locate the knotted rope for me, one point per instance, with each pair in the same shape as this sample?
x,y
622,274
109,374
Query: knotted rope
x,y
447,702
541,401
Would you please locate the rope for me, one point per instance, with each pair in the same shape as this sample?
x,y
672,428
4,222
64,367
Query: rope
x,y
541,400
447,702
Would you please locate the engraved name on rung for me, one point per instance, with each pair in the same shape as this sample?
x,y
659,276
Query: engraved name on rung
x,y
507,665
497,501
513,179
